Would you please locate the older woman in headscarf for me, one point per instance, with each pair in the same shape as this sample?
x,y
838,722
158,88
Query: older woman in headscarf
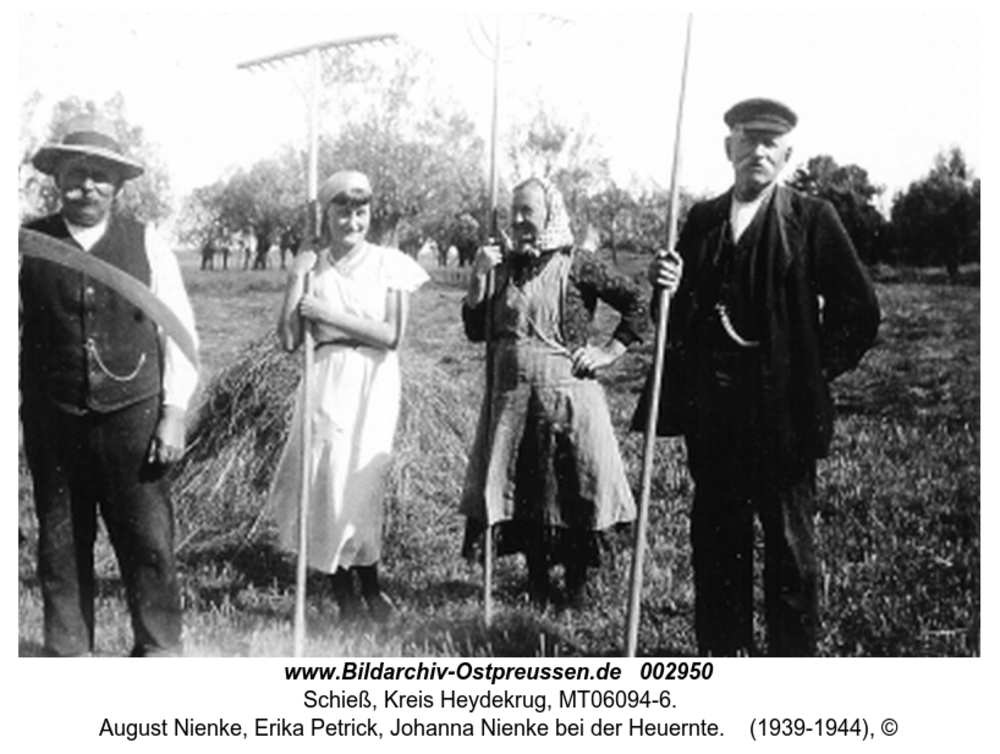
x,y
545,466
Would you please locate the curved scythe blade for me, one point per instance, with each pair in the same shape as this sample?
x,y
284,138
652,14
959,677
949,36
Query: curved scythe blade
x,y
40,246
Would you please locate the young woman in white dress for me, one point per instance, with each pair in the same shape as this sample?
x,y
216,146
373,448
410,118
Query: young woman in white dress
x,y
355,303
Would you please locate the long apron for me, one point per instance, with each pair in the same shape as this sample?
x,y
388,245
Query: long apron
x,y
545,453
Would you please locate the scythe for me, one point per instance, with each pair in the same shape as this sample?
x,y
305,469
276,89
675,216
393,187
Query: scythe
x,y
40,246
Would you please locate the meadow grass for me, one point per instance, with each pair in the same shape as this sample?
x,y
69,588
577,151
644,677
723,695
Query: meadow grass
x,y
898,513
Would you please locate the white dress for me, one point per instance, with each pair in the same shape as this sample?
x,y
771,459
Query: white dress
x,y
355,394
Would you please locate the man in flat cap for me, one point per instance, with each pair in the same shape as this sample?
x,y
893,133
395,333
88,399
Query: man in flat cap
x,y
769,303
103,401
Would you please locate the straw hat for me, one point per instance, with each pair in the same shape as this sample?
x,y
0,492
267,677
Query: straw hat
x,y
90,136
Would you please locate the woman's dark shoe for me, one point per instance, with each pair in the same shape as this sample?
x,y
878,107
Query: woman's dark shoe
x,y
380,607
576,587
348,602
539,588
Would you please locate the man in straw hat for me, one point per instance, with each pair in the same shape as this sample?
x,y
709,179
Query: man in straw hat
x,y
104,396
769,303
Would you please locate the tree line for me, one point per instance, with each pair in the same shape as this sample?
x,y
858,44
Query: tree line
x,y
933,222
428,165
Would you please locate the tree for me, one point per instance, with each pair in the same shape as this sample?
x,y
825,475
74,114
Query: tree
x,y
421,152
645,229
851,192
611,212
465,235
422,155
31,185
937,218
267,201
420,183
198,219
147,197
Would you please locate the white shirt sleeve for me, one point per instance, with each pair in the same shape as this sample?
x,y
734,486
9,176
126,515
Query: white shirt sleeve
x,y
180,377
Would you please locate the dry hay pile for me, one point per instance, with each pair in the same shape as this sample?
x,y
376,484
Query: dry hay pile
x,y
242,422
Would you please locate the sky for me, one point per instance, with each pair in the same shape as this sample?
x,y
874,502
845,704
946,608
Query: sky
x,y
883,91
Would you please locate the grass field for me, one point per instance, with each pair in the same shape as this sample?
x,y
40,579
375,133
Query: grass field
x,y
898,519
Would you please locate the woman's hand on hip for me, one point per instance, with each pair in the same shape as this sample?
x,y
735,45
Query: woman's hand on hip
x,y
588,359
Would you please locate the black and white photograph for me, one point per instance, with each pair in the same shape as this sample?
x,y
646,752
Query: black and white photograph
x,y
475,336
222,134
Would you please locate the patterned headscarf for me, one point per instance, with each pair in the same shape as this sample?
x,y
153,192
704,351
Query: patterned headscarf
x,y
556,234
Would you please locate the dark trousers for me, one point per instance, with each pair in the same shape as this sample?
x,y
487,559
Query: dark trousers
x,y
735,479
82,465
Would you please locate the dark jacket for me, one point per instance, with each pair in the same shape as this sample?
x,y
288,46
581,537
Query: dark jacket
x,y
820,317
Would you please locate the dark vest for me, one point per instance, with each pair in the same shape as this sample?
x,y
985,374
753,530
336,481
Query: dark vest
x,y
83,346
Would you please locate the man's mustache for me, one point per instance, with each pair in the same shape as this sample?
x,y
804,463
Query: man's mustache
x,y
79,196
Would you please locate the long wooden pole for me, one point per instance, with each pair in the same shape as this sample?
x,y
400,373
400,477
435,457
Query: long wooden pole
x,y
663,312
488,533
305,485
312,189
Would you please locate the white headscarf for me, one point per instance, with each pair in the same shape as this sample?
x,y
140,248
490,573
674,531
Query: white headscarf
x,y
556,234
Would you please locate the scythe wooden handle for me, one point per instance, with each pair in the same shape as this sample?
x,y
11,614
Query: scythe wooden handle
x,y
305,486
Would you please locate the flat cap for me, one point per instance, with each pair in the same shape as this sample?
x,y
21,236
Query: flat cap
x,y
761,114
346,187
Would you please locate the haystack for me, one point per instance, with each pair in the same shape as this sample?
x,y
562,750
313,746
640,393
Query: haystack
x,y
242,422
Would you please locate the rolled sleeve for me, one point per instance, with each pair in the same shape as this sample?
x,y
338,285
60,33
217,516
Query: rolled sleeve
x,y
180,376
474,321
597,280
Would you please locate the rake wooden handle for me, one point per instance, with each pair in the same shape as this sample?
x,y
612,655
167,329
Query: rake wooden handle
x,y
306,479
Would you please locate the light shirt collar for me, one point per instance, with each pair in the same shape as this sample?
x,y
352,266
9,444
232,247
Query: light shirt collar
x,y
87,237
741,214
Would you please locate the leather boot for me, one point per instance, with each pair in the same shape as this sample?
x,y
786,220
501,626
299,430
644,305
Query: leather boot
x,y
539,588
380,607
576,585
342,583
